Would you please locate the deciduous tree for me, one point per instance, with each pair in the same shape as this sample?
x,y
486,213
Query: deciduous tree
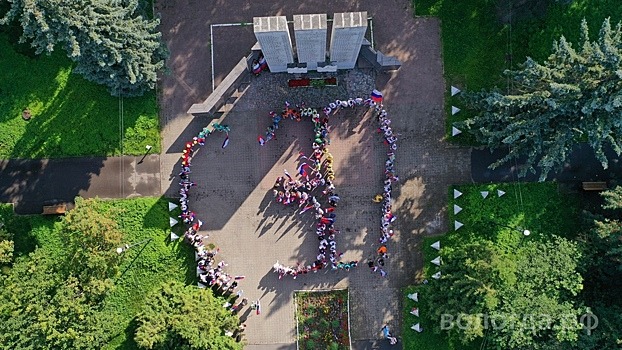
x,y
185,317
91,237
519,299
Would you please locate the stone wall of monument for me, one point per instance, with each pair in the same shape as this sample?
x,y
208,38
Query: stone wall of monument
x,y
273,36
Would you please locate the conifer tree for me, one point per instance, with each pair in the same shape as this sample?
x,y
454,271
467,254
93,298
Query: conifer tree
x,y
110,43
574,96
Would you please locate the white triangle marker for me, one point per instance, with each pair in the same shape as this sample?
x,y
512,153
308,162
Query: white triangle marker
x,y
436,275
171,206
436,245
414,311
174,237
457,193
484,194
457,225
413,296
172,222
455,131
500,193
457,209
436,261
417,327
454,91
454,110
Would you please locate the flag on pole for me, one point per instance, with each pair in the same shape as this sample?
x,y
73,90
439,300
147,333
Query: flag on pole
x,y
226,142
376,96
301,169
261,140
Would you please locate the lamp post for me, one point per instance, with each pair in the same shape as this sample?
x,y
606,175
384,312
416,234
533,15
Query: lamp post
x,y
525,232
122,249
148,147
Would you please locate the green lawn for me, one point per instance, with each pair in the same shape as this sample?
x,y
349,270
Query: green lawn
x,y
538,207
71,116
475,42
143,269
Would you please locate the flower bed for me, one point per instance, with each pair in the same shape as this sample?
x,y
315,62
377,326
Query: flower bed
x,y
312,82
323,320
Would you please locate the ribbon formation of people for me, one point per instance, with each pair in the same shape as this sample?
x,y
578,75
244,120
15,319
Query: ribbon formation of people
x,y
311,188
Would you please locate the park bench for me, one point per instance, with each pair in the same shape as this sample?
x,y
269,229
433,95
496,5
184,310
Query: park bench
x,y
55,209
594,186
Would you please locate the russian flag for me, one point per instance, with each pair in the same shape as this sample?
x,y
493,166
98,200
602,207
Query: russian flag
x,y
301,169
376,96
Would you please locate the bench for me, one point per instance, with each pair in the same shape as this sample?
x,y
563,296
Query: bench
x,y
55,209
594,186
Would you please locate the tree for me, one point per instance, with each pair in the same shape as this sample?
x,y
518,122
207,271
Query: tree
x,y
40,308
91,237
574,96
518,299
6,247
185,317
109,42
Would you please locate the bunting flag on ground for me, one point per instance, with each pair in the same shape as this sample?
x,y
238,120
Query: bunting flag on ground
x,y
484,194
436,275
454,110
457,225
457,209
455,131
172,222
457,193
171,206
436,261
454,91
436,245
174,237
417,327
500,193
376,96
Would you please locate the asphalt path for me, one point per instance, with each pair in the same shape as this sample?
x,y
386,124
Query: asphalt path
x,y
582,165
32,183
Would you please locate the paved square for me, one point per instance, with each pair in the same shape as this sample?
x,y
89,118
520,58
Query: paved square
x,y
233,194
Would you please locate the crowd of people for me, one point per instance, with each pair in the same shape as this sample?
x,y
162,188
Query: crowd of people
x,y
387,218
316,171
210,273
312,189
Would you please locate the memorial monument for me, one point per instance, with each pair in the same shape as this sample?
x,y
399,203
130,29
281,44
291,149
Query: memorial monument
x,y
347,37
272,34
310,35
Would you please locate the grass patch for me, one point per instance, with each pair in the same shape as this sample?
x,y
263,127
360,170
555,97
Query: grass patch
x,y
323,320
477,44
70,115
538,207
143,269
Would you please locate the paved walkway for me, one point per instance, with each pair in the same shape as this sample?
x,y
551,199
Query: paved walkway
x,y
582,165
30,184
233,193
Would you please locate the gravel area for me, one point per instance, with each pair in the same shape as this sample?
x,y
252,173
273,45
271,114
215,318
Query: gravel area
x,y
267,91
